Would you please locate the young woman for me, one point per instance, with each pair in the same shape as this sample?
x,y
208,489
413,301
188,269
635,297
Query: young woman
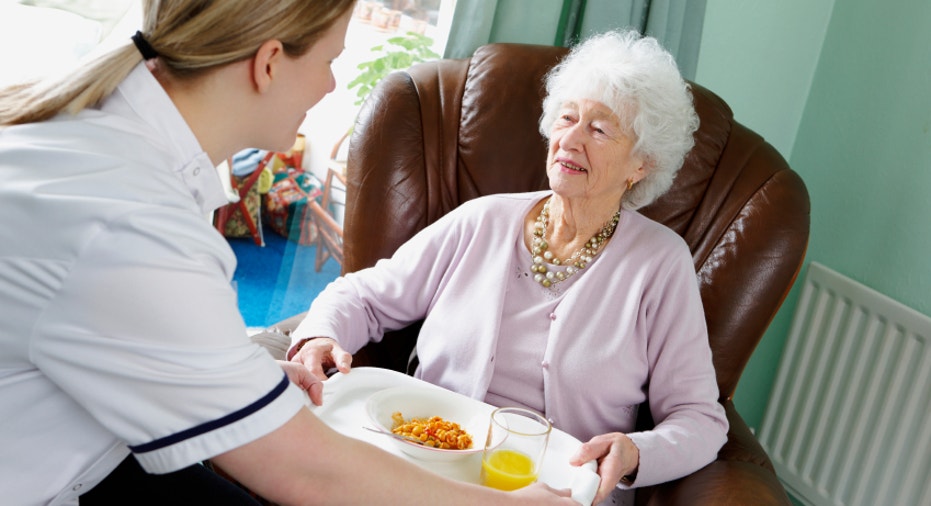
x,y
125,362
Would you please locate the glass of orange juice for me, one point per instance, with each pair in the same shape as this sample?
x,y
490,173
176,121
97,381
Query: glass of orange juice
x,y
514,448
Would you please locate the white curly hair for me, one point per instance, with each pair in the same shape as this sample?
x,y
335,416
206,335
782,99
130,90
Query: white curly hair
x,y
638,80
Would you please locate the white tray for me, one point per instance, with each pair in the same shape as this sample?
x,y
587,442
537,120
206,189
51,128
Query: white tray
x,y
344,409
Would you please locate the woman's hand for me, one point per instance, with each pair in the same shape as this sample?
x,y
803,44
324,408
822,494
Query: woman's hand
x,y
301,376
321,353
617,456
541,493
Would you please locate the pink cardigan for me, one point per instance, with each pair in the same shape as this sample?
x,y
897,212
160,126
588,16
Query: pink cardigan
x,y
631,328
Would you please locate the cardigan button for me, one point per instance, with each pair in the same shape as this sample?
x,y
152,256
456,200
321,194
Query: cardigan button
x,y
545,364
552,316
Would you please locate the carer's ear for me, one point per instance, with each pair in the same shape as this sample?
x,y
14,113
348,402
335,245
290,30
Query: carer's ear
x,y
265,64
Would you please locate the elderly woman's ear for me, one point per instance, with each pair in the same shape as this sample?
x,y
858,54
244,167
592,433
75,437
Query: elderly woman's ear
x,y
643,171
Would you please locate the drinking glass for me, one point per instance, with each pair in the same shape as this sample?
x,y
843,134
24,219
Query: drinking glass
x,y
514,448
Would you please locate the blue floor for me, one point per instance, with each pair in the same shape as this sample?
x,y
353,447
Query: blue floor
x,y
278,280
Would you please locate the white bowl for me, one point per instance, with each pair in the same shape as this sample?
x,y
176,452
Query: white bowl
x,y
424,402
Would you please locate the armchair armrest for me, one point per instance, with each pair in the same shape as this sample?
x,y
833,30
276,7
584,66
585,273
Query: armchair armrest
x,y
722,482
742,474
277,338
394,352
285,327
742,445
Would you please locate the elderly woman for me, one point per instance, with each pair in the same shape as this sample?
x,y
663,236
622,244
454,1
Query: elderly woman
x,y
567,301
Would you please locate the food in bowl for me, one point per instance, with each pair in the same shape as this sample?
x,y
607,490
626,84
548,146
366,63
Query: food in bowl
x,y
425,402
435,432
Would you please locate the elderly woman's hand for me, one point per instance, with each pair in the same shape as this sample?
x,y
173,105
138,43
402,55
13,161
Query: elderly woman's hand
x,y
617,456
322,353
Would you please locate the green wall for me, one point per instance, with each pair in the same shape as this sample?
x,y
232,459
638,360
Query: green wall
x,y
862,142
760,57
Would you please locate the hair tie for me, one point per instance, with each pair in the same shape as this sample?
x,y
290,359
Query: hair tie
x,y
143,46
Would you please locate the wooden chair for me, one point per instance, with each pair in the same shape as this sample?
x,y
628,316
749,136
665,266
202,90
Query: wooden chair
x,y
329,238
242,189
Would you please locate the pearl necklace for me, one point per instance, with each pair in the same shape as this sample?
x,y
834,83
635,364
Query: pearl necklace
x,y
540,255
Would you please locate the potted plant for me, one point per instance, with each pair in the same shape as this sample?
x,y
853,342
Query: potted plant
x,y
398,53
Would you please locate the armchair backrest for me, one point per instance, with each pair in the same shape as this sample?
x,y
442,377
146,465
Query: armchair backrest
x,y
448,131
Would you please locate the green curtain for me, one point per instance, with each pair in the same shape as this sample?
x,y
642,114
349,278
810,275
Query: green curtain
x,y
677,24
472,24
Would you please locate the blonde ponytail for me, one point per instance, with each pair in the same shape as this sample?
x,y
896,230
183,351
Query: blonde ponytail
x,y
190,37
75,91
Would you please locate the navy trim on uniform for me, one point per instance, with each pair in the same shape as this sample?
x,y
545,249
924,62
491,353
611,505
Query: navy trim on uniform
x,y
214,424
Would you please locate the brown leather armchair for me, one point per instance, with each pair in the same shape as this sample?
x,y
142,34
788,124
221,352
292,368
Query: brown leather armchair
x,y
452,130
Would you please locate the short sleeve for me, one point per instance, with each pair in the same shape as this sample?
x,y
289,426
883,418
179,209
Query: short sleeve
x,y
146,336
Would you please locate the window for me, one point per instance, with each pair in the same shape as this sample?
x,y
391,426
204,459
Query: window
x,y
38,37
373,23
298,281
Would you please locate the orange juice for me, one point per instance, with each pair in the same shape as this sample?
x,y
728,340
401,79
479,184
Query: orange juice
x,y
507,470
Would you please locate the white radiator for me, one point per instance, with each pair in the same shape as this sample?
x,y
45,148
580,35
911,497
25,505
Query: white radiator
x,y
848,422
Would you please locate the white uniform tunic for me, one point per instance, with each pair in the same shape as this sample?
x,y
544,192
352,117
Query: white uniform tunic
x,y
119,330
